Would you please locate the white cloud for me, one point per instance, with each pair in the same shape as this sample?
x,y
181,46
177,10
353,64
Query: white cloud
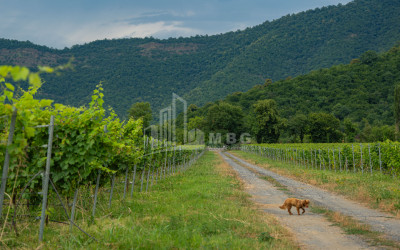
x,y
161,28
96,31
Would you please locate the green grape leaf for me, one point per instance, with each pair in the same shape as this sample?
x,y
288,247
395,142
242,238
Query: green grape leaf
x,y
10,86
34,80
19,73
9,94
4,70
46,69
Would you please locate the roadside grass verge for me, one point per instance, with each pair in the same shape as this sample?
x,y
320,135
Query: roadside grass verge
x,y
376,191
354,227
205,207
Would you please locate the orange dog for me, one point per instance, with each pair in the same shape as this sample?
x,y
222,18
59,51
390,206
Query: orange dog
x,y
289,202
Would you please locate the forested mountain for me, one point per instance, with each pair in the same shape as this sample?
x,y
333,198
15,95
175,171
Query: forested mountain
x,y
207,68
360,94
362,89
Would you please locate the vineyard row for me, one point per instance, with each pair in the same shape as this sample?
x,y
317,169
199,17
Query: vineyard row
x,y
364,158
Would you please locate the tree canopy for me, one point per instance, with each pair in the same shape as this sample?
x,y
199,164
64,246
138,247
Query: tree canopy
x,y
141,110
224,118
266,126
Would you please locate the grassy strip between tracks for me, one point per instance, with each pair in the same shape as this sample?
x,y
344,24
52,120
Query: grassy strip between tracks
x,y
203,208
376,191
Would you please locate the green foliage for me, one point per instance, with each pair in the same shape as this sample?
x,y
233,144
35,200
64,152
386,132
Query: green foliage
x,y
196,122
86,139
382,133
207,68
266,125
141,110
297,44
369,57
396,105
324,128
224,118
350,130
381,157
298,126
201,209
30,113
353,93
377,133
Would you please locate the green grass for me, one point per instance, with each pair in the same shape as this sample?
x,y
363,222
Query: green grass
x,y
354,227
376,191
203,208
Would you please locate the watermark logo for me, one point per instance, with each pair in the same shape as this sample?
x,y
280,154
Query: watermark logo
x,y
167,128
196,137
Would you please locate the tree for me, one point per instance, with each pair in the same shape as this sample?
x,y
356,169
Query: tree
x,y
369,57
377,132
382,133
192,108
350,130
196,122
397,109
340,111
324,128
141,110
223,118
366,133
266,125
298,126
267,82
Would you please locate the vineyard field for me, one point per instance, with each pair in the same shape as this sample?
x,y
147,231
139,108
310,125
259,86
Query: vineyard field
x,y
381,157
46,147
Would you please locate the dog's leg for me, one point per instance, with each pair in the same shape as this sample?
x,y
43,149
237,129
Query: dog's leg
x,y
303,210
288,209
298,210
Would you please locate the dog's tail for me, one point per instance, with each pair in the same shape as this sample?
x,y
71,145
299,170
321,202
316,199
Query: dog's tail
x,y
283,206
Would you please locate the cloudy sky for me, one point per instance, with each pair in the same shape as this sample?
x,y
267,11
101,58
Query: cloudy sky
x,y
63,23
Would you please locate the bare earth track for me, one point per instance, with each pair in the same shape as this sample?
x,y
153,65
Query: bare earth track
x,y
312,231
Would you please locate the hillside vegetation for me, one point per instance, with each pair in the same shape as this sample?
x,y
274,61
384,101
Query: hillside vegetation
x,y
344,102
362,89
207,68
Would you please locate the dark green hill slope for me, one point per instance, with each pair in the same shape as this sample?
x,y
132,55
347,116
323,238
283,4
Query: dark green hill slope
x,y
362,89
297,44
207,68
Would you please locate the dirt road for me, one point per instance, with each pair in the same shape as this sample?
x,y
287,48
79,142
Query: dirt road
x,y
378,221
312,231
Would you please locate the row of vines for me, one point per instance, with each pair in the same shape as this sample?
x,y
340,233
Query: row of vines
x,y
383,157
86,141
